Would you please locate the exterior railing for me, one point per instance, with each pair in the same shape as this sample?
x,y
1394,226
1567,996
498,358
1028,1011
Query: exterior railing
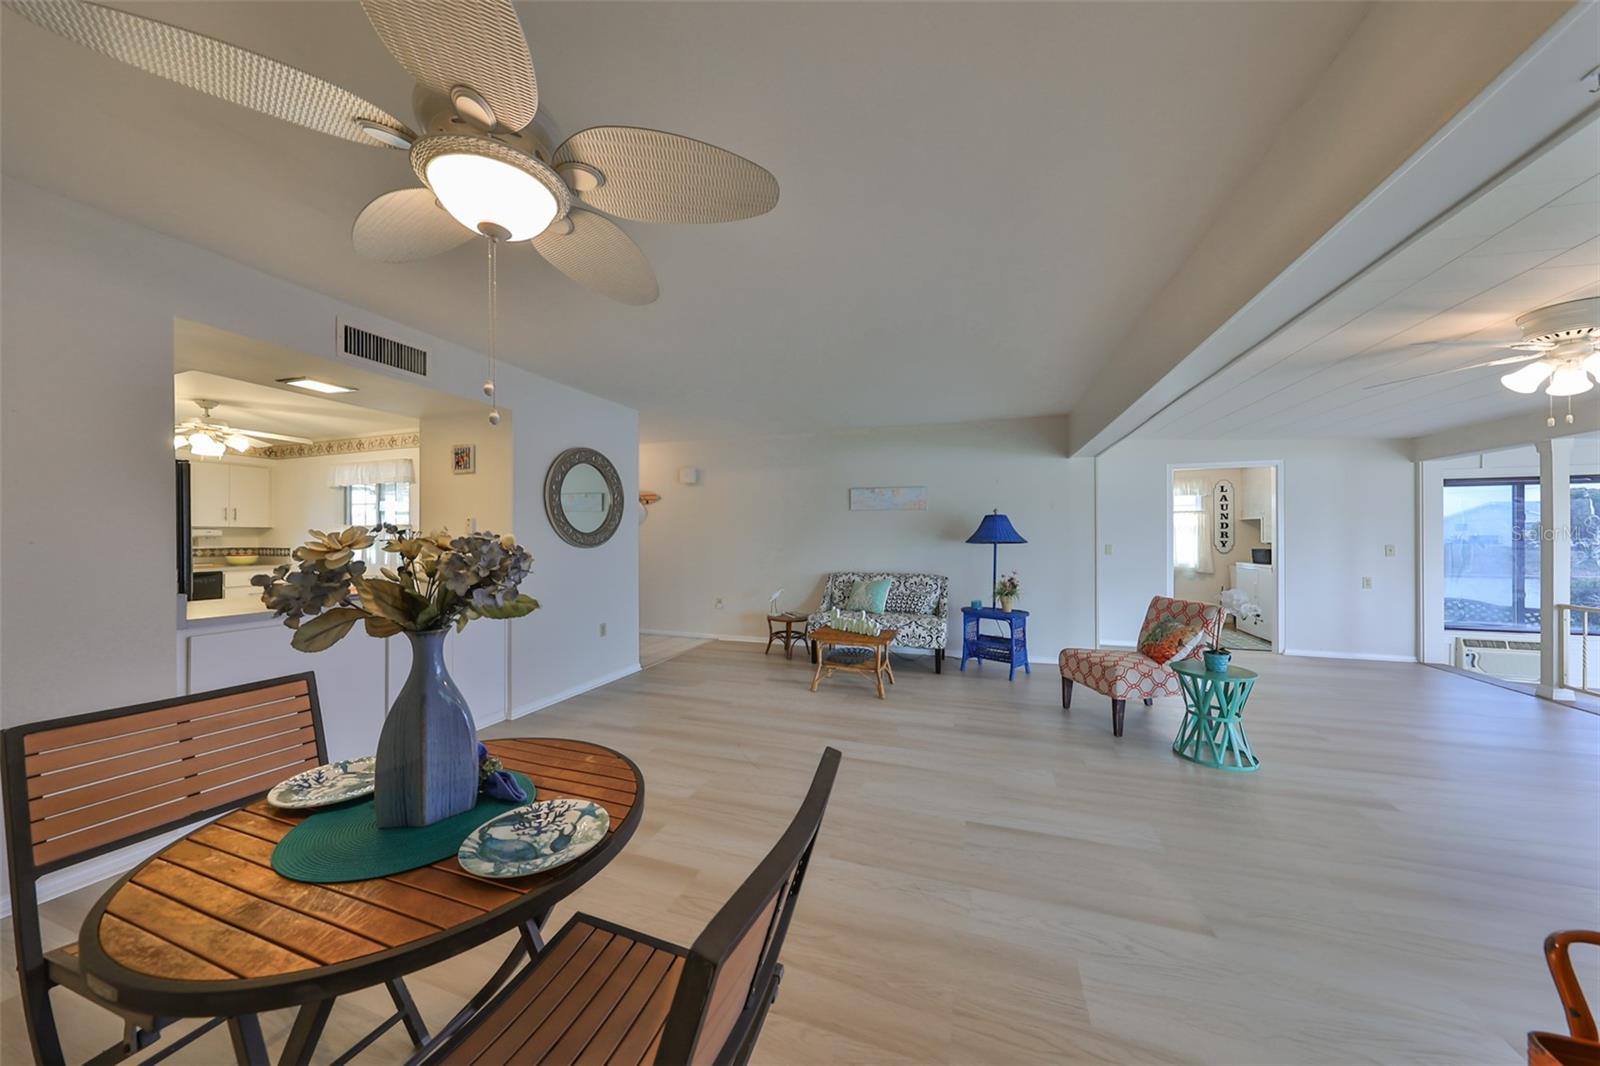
x,y
1573,620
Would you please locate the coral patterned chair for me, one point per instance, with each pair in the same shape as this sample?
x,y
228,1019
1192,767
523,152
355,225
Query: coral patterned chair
x,y
1174,629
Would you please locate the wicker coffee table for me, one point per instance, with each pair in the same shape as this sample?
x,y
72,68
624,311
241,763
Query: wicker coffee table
x,y
876,661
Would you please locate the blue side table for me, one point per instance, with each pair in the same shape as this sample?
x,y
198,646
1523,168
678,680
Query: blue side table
x,y
1010,648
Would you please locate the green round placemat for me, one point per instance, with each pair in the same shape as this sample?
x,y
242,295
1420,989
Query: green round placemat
x,y
345,843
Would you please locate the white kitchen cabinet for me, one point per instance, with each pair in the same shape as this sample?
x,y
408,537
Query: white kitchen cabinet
x,y
1260,585
1258,499
208,494
250,496
225,495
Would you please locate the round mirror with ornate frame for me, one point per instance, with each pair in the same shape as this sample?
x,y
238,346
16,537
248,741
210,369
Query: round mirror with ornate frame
x,y
583,497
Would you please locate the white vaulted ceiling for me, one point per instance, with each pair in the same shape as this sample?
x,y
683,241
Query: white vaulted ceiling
x,y
978,199
1530,239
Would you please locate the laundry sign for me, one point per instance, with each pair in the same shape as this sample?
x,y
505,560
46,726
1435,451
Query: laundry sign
x,y
1222,529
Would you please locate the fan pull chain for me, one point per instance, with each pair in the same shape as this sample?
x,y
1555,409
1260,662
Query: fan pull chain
x,y
488,386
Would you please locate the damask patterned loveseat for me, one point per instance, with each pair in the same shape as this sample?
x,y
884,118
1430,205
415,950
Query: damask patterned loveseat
x,y
918,609
1130,674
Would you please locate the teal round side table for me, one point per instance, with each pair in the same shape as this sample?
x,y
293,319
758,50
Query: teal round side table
x,y
1212,733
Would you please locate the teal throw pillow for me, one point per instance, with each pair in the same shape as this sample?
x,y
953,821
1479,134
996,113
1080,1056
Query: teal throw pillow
x,y
869,596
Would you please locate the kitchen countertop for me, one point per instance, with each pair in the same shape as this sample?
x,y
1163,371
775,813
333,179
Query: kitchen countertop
x,y
228,607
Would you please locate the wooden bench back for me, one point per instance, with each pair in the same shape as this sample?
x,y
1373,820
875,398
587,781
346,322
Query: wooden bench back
x,y
78,787
728,976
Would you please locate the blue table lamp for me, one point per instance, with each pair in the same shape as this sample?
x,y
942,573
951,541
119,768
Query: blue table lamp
x,y
995,529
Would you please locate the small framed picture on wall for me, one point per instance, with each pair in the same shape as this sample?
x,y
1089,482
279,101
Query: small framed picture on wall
x,y
464,458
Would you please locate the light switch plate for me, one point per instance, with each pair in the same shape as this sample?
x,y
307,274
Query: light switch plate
x,y
1388,550
1366,583
1108,549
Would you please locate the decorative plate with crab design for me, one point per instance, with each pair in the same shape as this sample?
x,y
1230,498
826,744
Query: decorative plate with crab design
x,y
323,786
533,838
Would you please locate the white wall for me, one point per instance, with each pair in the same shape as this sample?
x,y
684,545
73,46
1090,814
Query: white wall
x,y
87,537
456,501
1342,501
774,511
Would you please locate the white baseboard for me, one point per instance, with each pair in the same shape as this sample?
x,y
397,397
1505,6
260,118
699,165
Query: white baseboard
x,y
741,638
575,690
98,869
1364,656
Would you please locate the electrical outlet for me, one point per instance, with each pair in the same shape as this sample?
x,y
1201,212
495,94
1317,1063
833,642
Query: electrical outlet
x,y
1388,550
718,604
1108,549
1366,583
602,629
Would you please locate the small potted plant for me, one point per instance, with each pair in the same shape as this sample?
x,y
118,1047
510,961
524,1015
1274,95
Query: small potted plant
x,y
1007,589
1232,602
428,759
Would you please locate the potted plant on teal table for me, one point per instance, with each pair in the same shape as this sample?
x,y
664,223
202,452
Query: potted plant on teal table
x,y
427,759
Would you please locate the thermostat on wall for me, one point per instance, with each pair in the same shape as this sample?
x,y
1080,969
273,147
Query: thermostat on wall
x,y
688,475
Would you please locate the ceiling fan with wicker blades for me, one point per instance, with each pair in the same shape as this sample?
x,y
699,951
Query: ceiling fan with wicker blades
x,y
209,438
485,169
1560,345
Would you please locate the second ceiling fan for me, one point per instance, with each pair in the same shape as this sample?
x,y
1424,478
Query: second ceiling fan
x,y
485,170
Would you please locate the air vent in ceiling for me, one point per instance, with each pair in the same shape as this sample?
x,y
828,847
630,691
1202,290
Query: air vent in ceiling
x,y
376,348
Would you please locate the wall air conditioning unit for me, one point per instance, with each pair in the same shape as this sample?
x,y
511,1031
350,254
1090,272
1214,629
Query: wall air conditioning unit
x,y
1512,660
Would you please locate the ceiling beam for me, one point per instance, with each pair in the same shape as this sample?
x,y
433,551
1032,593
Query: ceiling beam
x,y
1515,431
1424,105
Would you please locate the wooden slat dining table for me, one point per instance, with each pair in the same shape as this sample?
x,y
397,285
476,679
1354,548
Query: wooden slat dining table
x,y
207,928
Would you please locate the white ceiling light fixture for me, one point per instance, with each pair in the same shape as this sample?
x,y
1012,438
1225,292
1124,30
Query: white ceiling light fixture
x,y
314,385
489,188
1528,379
1569,380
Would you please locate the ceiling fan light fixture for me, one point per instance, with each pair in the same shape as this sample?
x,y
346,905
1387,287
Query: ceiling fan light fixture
x,y
1569,380
205,445
179,442
238,442
1527,380
479,181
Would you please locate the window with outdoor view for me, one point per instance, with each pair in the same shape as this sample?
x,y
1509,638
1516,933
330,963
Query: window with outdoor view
x,y
1492,551
376,505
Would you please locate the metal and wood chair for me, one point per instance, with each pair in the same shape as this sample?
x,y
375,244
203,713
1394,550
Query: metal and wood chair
x,y
80,787
1582,1047
604,993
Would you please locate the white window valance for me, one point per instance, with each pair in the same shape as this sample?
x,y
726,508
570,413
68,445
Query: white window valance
x,y
379,472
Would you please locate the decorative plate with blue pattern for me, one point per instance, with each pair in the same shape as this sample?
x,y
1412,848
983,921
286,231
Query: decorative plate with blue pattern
x,y
326,785
533,838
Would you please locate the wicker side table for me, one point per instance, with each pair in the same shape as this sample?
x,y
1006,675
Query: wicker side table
x,y
788,634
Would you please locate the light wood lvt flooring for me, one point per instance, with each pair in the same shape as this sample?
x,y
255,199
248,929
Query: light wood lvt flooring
x,y
1000,882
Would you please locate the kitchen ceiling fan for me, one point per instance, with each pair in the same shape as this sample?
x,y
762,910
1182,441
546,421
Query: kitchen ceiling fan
x,y
485,169
1560,345
209,438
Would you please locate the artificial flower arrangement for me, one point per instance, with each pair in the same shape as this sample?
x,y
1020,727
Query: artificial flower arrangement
x,y
1008,587
441,580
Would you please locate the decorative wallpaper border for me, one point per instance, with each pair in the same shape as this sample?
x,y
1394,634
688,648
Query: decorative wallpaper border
x,y
343,446
265,553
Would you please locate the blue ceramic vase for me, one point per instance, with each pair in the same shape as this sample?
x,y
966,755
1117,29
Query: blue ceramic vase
x,y
428,750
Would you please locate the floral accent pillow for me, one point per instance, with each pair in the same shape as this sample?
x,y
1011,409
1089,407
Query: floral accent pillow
x,y
1169,640
868,596
913,594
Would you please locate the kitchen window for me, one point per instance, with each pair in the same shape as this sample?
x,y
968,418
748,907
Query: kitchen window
x,y
1492,551
388,503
